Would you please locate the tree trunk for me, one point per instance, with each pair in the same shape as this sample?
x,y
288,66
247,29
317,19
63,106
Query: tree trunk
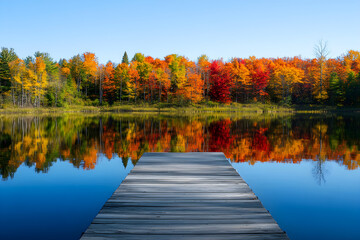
x,y
120,88
100,89
22,95
144,90
135,91
13,96
160,92
321,72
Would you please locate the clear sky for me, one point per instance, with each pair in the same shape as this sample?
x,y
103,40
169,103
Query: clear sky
x,y
222,28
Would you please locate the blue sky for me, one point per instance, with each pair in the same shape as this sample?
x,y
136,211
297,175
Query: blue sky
x,y
226,28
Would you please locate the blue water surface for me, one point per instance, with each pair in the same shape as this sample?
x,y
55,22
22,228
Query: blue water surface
x,y
57,171
306,203
59,204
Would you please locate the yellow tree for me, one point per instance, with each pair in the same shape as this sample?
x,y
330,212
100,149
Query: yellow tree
x,y
204,70
319,81
132,83
41,80
17,70
29,79
284,77
240,75
121,76
177,68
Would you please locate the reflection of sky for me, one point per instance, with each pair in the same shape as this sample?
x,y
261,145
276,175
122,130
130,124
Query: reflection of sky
x,y
59,204
304,208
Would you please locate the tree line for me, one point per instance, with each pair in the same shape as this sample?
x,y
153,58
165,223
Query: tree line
x,y
40,81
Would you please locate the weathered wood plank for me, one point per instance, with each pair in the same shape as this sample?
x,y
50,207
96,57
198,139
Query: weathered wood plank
x,y
187,237
175,201
184,188
182,210
215,217
180,195
183,204
181,217
216,228
263,219
183,196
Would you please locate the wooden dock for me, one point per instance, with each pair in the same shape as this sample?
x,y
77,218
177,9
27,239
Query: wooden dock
x,y
183,196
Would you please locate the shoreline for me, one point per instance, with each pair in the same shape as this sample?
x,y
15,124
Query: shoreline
x,y
252,108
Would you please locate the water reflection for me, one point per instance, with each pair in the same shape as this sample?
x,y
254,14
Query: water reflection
x,y
319,171
41,140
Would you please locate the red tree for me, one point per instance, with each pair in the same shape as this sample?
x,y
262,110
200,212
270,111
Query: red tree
x,y
220,81
260,78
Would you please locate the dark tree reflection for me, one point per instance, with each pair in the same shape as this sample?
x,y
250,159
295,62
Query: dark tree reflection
x,y
319,171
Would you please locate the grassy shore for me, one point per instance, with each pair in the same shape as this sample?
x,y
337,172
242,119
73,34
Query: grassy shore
x,y
258,108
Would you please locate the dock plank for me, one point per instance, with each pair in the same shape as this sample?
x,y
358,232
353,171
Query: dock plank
x,y
183,196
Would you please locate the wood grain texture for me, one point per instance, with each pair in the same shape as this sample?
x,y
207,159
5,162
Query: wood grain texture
x,y
183,196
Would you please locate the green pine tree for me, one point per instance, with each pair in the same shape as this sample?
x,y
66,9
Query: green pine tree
x,y
350,89
6,56
336,92
125,58
357,90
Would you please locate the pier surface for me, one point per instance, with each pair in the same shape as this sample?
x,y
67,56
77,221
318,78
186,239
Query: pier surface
x,y
183,196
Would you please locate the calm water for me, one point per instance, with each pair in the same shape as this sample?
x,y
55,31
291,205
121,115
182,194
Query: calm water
x,y
57,172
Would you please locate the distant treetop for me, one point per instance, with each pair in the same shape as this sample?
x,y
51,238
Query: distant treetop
x,y
125,58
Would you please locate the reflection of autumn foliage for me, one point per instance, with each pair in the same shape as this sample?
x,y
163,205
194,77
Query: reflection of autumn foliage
x,y
33,150
109,140
89,158
220,138
80,140
260,141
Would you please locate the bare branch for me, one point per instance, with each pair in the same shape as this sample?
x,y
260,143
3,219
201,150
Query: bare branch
x,y
321,50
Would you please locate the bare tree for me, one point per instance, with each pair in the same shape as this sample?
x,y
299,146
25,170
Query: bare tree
x,y
321,52
319,171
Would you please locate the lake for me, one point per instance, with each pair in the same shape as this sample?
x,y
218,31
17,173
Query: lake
x,y
58,171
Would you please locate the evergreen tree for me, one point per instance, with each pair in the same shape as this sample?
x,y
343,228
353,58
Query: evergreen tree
x,y
125,58
28,60
357,90
350,89
335,90
6,56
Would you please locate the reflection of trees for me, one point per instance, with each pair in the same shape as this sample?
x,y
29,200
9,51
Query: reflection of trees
x,y
6,169
319,171
39,141
220,138
319,132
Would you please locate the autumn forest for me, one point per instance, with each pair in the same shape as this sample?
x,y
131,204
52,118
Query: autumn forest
x,y
40,81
